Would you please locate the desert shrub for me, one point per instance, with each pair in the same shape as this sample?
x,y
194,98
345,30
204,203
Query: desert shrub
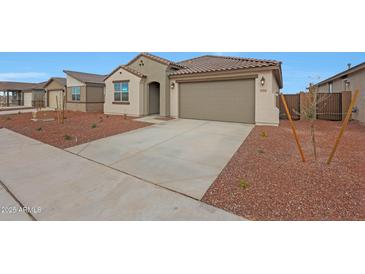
x,y
264,134
67,137
39,129
243,184
93,125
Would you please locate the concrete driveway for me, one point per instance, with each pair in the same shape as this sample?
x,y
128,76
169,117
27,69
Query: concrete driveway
x,y
182,155
68,187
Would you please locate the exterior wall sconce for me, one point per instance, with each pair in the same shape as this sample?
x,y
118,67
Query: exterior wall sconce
x,y
172,85
262,81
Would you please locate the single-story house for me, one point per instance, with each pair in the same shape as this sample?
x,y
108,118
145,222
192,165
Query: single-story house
x,y
55,92
85,91
209,87
349,80
13,94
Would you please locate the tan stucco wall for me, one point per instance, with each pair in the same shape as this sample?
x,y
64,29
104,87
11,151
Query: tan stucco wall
x,y
54,85
76,106
357,81
266,111
72,82
155,72
95,107
136,90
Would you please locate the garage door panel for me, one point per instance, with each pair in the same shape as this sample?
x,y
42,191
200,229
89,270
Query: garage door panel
x,y
53,96
231,101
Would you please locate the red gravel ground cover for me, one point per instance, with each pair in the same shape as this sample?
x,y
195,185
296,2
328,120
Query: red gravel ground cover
x,y
80,127
266,179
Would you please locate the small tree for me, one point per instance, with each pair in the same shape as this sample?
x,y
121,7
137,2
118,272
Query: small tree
x,y
309,112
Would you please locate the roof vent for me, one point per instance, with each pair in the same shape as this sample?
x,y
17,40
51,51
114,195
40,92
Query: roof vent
x,y
348,65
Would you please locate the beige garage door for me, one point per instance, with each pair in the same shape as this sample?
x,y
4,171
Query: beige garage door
x,y
27,99
52,95
230,101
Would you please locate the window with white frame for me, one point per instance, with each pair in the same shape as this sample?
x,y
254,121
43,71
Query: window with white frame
x,y
330,87
75,92
121,91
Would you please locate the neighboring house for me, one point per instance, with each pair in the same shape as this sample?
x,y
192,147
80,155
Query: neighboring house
x,y
55,92
13,94
348,80
208,87
85,91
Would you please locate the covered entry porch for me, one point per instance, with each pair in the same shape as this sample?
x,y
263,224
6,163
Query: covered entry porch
x,y
11,98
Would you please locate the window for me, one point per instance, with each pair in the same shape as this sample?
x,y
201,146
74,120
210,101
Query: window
x,y
75,91
330,87
121,91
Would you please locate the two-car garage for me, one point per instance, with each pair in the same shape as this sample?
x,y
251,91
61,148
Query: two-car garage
x,y
228,100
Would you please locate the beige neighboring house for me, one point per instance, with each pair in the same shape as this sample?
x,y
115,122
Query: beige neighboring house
x,y
348,80
85,91
55,92
218,88
35,96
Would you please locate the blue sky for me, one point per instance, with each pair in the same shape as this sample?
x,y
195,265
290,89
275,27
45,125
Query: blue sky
x,y
299,69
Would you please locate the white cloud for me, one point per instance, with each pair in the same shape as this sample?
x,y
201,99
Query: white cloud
x,y
18,76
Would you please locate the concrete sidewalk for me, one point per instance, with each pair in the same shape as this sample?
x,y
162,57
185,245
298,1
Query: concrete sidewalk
x,y
69,187
9,208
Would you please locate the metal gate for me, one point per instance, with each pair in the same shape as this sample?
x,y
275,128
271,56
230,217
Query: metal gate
x,y
293,102
329,106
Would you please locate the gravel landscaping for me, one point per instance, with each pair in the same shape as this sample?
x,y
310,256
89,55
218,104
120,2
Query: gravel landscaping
x,y
78,127
266,179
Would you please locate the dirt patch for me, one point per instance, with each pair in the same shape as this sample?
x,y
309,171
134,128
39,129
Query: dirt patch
x,y
266,180
78,128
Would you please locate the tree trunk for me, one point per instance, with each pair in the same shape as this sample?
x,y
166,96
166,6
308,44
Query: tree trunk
x,y
313,140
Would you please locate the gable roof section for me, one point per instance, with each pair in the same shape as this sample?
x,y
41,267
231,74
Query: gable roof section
x,y
20,86
86,77
212,63
62,81
133,71
343,73
157,59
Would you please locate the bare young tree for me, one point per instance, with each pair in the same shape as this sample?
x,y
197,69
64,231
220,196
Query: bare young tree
x,y
309,112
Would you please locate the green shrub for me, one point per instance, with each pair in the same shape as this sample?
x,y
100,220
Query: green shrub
x,y
38,129
93,126
67,137
243,184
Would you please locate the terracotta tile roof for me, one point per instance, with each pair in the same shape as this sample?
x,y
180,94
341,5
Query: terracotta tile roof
x,y
156,58
211,63
133,71
86,77
18,86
